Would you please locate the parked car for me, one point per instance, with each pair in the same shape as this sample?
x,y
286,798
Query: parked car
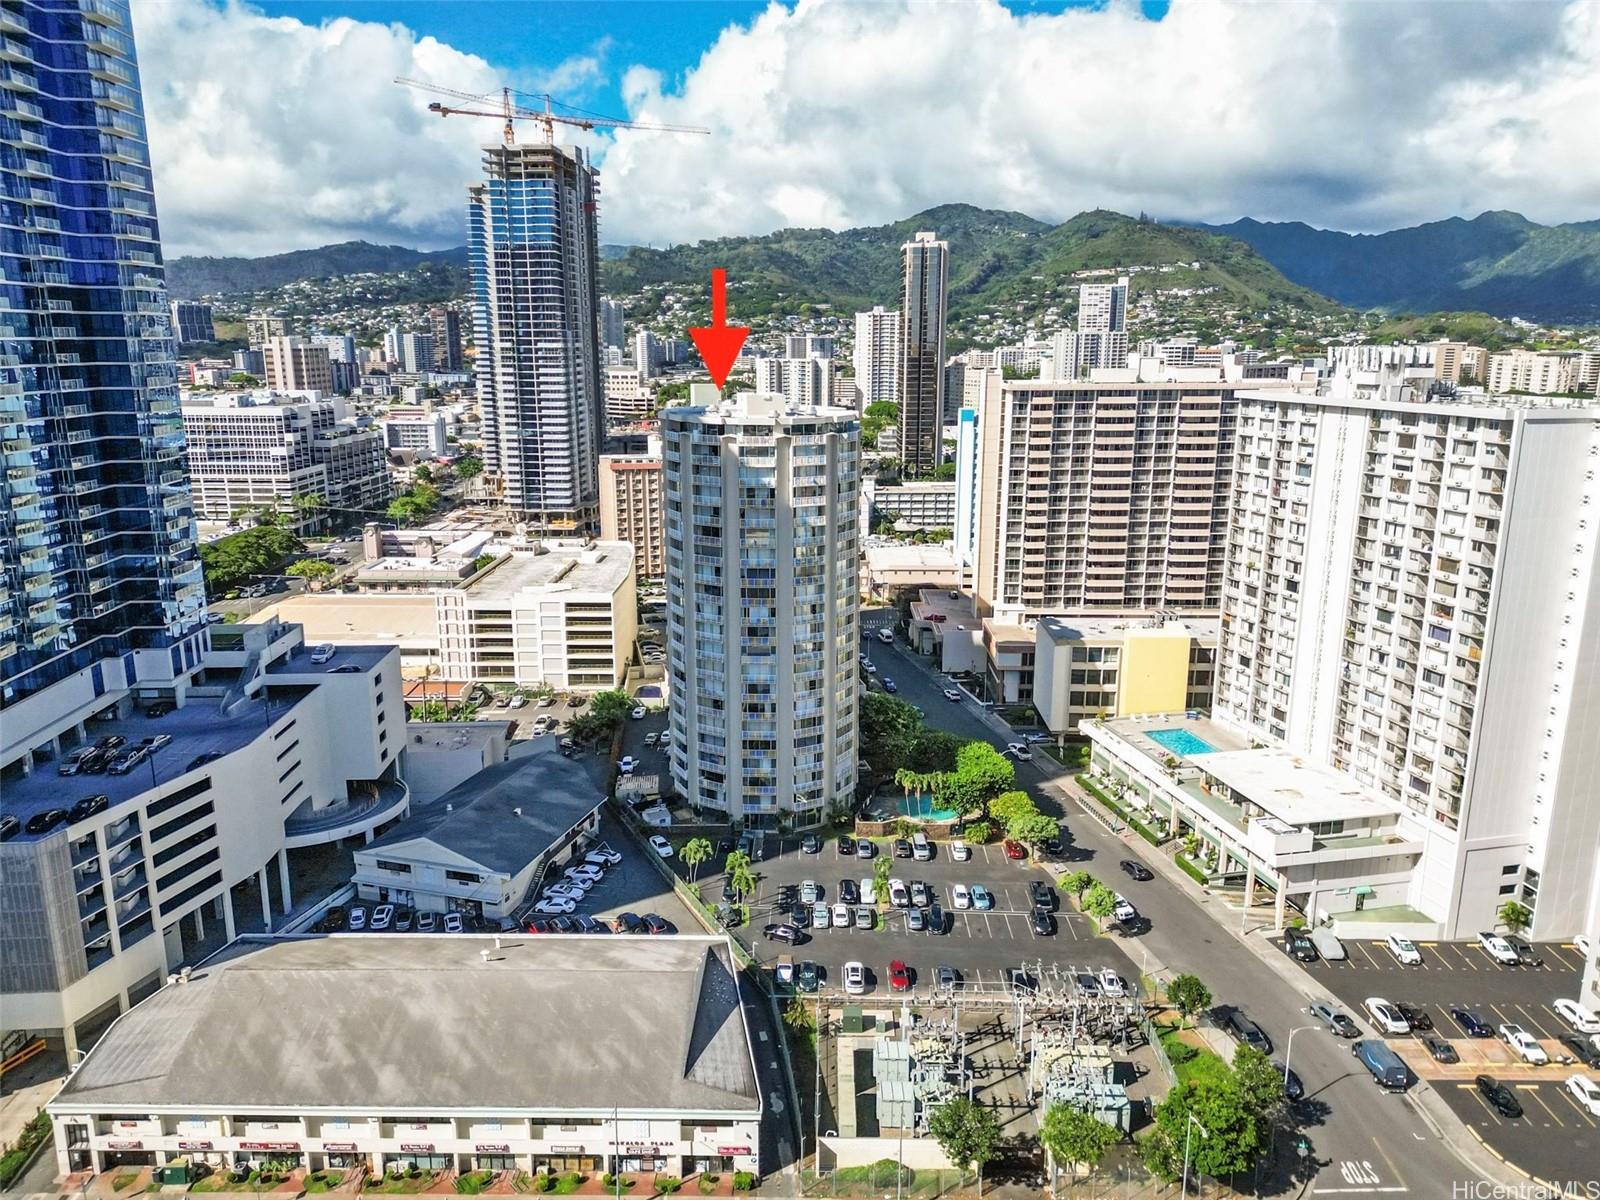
x,y
921,847
322,653
1581,1048
1334,1018
921,897
1386,1016
626,764
654,923
1440,1050
960,851
935,918
1384,1065
1298,944
1015,851
1328,945
127,760
155,742
1293,1089
1042,895
811,844
902,847
783,933
1470,1021
159,709
982,898
1576,1015
1137,870
865,849
855,979
1019,751
627,923
961,896
554,905
1523,948
660,845
806,976
382,918
889,685
88,806
952,694
899,894
1497,948
810,891
841,916
334,919
1586,1092
1524,1044
1415,1014
602,856
1125,911
947,978
9,827
869,890
1111,984
846,845
1247,1031
820,918
1087,985
453,923
1044,924
899,977
46,821
1499,1097
916,922
639,712
358,918
1404,950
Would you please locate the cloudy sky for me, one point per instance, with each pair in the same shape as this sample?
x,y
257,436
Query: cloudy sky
x,y
276,125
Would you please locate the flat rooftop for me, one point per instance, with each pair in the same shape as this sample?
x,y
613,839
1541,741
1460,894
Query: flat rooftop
x,y
197,728
1098,628
349,654
427,1023
1292,788
601,567
938,602
410,620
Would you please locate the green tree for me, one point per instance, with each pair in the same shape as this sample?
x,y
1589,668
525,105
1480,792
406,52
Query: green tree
x,y
482,561
1233,1139
935,750
611,706
741,878
695,851
968,1133
1076,882
882,867
1008,806
1098,901
981,774
889,728
1260,1082
310,569
1075,1137
1188,994
1034,830
1515,916
469,466
422,473
231,560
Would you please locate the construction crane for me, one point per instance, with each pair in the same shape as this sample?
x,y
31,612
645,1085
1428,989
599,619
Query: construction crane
x,y
546,117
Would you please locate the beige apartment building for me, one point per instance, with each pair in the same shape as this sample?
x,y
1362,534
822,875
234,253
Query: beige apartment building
x,y
296,365
1102,495
630,509
1543,373
1458,362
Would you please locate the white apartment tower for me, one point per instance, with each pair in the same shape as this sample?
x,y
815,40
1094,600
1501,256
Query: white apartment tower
x,y
921,351
806,381
761,509
876,357
1411,597
533,245
1101,338
1098,495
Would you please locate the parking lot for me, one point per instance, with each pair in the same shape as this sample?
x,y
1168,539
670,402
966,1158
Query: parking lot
x,y
1554,1139
984,946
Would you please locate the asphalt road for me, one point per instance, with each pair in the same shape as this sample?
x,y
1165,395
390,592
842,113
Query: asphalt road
x,y
1364,1142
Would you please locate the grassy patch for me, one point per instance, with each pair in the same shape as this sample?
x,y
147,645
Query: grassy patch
x,y
569,1183
16,1158
323,1181
473,1182
1089,785
1192,1062
124,1180
1191,870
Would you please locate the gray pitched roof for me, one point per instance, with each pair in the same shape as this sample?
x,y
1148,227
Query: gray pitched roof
x,y
479,819
421,1022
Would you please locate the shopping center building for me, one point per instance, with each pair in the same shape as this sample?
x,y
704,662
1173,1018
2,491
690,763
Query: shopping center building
x,y
450,1052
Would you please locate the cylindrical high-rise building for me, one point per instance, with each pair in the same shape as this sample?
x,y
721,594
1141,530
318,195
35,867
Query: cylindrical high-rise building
x,y
761,500
534,252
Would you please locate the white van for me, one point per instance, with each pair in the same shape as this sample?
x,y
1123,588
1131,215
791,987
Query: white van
x,y
886,636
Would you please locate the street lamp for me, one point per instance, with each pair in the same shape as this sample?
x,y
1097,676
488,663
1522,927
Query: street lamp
x,y
1188,1137
1289,1049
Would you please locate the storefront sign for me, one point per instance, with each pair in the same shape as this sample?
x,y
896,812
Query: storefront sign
x,y
733,1149
416,1147
272,1147
195,1146
124,1145
566,1149
652,1150
340,1147
492,1148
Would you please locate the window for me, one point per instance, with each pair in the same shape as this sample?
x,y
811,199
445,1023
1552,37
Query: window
x,y
287,749
1509,869
398,867
157,807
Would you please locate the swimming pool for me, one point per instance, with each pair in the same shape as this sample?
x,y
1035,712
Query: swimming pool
x,y
923,808
1180,742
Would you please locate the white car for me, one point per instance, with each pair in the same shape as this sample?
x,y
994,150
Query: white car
x,y
1111,983
960,896
1498,949
638,712
453,923
585,871
568,892
872,668
554,906
951,693
841,916
1124,910
322,653
1019,751
886,636
1586,1092
1386,1016
1576,1015
519,701
382,918
626,764
899,896
855,979
660,845
1525,1044
869,890
784,973
960,851
603,856
1404,950
651,738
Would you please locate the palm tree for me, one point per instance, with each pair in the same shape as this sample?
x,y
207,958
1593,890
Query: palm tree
x,y
695,851
740,877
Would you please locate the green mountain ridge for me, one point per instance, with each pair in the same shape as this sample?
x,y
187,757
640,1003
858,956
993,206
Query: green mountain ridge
x,y
189,278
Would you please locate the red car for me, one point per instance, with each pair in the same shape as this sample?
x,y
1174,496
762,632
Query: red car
x,y
1015,850
899,977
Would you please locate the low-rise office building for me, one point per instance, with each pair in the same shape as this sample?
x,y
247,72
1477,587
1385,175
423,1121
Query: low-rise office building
x,y
424,433
451,1052
266,752
483,846
917,505
1091,666
563,613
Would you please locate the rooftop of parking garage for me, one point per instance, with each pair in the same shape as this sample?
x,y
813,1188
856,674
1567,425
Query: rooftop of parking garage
x,y
407,1022
198,728
576,567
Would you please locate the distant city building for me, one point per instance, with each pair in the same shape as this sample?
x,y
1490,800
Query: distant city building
x,y
807,345
191,322
799,380
534,250
341,347
1458,362
294,364
648,353
444,324
876,357
416,353
1101,338
1088,666
264,450
762,595
631,511
612,315
921,351
250,362
423,433
391,344
1537,372
564,614
628,395
928,504
261,328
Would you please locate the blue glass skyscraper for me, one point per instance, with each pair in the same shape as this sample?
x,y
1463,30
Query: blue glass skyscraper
x,y
534,249
99,575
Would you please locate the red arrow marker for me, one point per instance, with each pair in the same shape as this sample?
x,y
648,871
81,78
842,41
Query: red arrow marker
x,y
719,343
